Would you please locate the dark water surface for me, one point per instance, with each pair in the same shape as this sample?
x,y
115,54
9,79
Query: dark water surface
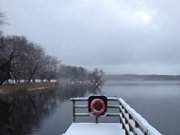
x,y
50,112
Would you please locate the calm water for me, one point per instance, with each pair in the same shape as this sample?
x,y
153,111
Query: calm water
x,y
50,113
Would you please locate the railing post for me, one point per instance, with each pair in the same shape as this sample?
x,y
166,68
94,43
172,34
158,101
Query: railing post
x,y
126,132
96,120
146,133
74,111
136,124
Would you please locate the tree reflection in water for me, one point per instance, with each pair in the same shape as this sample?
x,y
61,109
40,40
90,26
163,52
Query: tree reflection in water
x,y
22,112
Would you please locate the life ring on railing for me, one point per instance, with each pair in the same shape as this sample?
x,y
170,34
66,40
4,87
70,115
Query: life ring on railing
x,y
98,107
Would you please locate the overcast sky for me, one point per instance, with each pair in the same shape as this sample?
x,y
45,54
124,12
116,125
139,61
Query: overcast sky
x,y
119,36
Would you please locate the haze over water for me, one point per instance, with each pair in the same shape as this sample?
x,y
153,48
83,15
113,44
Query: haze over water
x,y
157,101
51,112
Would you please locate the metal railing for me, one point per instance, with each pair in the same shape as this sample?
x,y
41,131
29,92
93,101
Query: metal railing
x,y
127,116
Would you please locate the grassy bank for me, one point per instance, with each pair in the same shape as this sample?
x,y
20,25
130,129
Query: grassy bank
x,y
6,89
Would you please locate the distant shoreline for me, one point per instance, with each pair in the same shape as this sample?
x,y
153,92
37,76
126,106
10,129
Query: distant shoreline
x,y
140,77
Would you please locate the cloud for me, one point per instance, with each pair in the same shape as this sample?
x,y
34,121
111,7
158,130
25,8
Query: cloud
x,y
102,32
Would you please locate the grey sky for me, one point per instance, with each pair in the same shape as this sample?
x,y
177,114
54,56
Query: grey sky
x,y
120,36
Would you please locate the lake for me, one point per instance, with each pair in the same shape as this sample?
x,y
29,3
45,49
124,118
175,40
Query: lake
x,y
50,113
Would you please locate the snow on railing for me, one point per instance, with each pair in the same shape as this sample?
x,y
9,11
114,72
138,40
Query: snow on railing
x,y
139,120
132,122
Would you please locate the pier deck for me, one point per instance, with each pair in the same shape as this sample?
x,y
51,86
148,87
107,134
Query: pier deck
x,y
95,129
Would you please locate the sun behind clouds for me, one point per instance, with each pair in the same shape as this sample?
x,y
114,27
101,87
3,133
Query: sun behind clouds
x,y
144,17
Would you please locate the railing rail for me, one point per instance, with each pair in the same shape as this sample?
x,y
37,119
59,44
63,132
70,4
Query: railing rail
x,y
131,121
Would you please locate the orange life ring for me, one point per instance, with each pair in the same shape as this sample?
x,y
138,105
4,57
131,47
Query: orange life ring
x,y
98,107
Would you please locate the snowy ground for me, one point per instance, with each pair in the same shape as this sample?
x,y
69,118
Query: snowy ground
x,y
95,129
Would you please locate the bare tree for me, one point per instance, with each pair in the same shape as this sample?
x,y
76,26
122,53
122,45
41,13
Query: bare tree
x,y
7,55
96,76
33,60
19,59
50,68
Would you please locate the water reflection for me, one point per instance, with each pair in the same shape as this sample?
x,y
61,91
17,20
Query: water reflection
x,y
21,113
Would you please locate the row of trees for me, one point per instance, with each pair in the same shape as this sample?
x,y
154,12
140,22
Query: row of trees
x,y
24,60
21,59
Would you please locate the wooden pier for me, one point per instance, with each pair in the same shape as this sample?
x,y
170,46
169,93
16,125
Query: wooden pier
x,y
130,122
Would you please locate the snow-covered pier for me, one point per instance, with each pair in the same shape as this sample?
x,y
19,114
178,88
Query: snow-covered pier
x,y
130,122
